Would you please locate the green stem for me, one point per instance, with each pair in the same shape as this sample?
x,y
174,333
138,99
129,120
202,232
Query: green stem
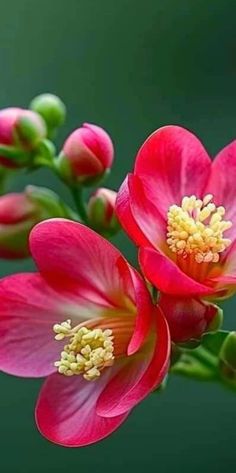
x,y
77,193
193,368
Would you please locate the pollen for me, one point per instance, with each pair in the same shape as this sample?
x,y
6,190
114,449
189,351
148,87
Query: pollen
x,y
88,352
197,228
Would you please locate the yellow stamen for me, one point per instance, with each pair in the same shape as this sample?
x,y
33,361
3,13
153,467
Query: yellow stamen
x,y
196,228
88,353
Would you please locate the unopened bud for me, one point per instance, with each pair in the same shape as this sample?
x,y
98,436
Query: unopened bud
x,y
19,212
101,212
51,108
21,131
189,318
87,155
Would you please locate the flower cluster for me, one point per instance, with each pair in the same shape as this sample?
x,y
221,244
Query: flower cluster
x,y
104,334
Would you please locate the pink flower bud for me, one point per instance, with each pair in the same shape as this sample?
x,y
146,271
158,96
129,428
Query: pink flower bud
x,y
17,217
19,212
22,129
189,318
87,154
101,212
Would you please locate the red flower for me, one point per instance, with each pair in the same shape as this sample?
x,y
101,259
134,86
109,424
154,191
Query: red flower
x,y
111,348
180,209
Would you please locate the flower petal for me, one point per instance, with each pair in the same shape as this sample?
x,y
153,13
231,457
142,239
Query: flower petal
x,y
223,277
144,314
143,307
222,184
187,317
172,163
140,374
29,308
167,276
126,217
69,254
146,214
28,311
66,411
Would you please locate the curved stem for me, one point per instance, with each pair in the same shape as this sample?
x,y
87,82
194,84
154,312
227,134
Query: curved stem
x,y
77,193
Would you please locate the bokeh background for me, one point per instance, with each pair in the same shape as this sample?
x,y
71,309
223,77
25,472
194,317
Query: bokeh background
x,y
130,66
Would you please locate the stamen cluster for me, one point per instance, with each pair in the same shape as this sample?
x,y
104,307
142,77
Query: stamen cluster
x,y
196,228
88,353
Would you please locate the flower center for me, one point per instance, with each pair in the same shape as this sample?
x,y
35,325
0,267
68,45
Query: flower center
x,y
88,353
197,228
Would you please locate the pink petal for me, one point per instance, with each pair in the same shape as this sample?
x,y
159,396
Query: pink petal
x,y
229,261
172,163
99,142
187,317
66,411
139,376
29,308
223,278
69,254
143,307
126,217
144,313
222,184
28,311
8,118
146,214
167,276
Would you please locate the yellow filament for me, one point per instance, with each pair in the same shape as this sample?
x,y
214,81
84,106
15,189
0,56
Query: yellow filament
x,y
88,353
197,228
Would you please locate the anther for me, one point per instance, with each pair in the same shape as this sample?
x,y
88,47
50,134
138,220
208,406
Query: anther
x,y
88,352
196,227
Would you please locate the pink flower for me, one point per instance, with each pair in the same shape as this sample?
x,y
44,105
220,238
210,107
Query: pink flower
x,y
87,154
21,128
111,346
180,209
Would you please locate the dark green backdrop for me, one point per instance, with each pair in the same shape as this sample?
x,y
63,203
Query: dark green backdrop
x,y
131,66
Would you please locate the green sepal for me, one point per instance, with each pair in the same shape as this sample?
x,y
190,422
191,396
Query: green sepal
x,y
44,155
214,341
15,155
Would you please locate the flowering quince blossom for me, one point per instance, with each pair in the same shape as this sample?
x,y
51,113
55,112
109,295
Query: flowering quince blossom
x,y
180,209
87,322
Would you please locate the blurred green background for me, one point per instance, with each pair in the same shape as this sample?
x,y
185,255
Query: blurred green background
x,y
130,66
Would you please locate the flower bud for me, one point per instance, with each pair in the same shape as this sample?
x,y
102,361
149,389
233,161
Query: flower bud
x,y
51,108
227,357
21,131
87,155
19,212
101,212
189,318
